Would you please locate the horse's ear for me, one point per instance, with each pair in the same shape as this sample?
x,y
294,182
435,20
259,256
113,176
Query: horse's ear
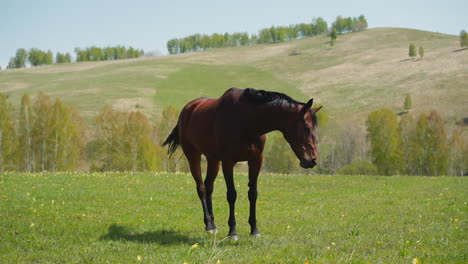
x,y
307,106
317,109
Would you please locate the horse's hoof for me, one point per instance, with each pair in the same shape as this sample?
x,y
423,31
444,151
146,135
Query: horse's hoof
x,y
255,235
233,237
213,231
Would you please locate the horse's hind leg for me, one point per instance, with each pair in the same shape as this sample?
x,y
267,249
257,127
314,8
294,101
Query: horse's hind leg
x,y
254,169
194,158
211,173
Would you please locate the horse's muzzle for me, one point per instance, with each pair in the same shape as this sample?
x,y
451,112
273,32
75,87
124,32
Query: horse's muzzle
x,y
308,164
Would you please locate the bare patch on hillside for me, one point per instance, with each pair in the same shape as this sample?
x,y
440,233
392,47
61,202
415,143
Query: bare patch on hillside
x,y
13,86
134,104
236,54
86,91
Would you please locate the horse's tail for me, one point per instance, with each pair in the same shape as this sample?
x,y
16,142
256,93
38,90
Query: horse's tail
x,y
173,141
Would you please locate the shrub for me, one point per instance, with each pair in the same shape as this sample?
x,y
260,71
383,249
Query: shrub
x,y
361,167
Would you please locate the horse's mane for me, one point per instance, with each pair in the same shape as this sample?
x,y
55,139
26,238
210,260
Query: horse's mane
x,y
273,98
268,97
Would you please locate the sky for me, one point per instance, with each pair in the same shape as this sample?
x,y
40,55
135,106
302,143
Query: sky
x,y
63,25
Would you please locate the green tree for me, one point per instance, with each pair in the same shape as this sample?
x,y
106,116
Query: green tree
x,y
138,143
9,157
293,32
421,146
36,57
62,58
108,126
320,25
385,139
431,146
407,130
408,103
438,155
412,50
305,30
67,58
264,36
41,131
95,53
463,39
340,24
421,52
21,57
65,138
360,23
19,61
81,55
11,63
26,120
333,36
125,141
49,58
173,46
458,152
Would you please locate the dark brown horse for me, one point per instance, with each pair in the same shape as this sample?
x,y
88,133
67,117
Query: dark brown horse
x,y
232,128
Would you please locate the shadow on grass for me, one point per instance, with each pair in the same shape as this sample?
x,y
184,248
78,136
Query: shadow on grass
x,y
162,237
458,50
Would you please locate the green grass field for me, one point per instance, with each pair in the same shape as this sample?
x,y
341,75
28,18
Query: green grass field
x,y
157,218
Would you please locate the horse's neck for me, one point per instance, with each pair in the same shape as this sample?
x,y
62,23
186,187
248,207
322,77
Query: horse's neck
x,y
272,118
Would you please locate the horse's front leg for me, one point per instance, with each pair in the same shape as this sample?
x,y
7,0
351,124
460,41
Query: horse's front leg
x,y
254,169
228,169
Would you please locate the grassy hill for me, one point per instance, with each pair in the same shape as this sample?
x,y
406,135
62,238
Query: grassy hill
x,y
362,72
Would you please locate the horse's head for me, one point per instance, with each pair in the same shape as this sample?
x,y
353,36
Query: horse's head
x,y
301,134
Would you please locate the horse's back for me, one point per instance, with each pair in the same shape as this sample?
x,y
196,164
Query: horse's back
x,y
196,123
215,127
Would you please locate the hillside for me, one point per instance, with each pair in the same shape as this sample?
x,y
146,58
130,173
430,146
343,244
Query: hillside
x,y
363,71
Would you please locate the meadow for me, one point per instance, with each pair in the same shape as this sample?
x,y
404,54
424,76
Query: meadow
x,y
157,218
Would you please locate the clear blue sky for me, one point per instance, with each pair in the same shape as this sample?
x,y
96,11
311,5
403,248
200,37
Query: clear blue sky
x,y
62,25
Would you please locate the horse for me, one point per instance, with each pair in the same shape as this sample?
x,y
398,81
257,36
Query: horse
x,y
232,128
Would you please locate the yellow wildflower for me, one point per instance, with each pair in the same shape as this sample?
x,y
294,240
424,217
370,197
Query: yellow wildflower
x,y
194,246
139,258
415,261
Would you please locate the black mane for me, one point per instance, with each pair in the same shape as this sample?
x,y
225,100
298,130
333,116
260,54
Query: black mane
x,y
273,98
268,97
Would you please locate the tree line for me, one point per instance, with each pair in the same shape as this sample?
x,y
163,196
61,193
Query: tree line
x,y
108,53
49,135
45,136
37,57
272,34
415,146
